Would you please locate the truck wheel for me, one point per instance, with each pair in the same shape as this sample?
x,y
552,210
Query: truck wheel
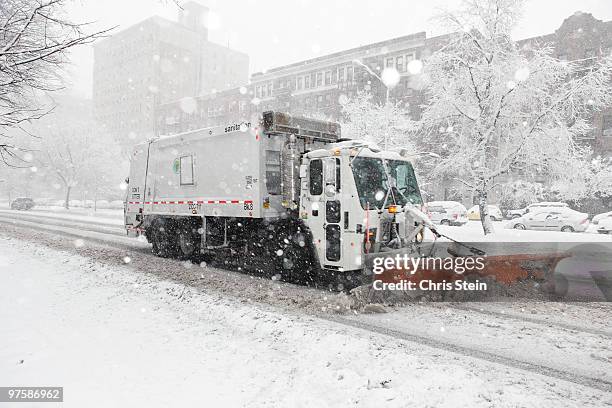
x,y
567,228
163,240
187,242
445,222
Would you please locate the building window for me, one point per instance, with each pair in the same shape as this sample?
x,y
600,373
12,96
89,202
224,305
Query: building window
x,y
349,74
299,83
341,74
307,82
328,78
270,89
389,63
334,78
606,125
400,63
319,79
410,57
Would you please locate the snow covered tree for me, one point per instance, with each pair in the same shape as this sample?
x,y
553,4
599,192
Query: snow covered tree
x,y
35,37
388,125
499,108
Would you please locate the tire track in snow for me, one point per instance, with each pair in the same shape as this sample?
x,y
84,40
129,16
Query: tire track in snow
x,y
591,382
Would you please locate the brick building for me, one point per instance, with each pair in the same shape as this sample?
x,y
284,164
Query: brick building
x,y
154,62
315,86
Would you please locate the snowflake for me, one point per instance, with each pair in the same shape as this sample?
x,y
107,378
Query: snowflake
x,y
522,74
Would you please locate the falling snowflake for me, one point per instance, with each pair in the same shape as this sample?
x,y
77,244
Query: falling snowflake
x,y
390,77
522,74
78,243
415,67
188,104
127,259
243,90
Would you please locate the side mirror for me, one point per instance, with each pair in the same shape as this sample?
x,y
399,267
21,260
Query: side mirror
x,y
303,171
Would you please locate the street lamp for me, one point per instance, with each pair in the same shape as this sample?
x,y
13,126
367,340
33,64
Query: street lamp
x,y
406,153
390,77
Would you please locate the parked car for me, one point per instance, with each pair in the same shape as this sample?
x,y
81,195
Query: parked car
x,y
494,212
22,203
546,205
447,212
560,219
601,216
605,226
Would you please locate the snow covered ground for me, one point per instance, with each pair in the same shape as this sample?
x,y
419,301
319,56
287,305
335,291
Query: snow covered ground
x,y
113,336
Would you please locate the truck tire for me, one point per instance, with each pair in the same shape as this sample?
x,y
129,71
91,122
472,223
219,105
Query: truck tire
x,y
163,238
187,240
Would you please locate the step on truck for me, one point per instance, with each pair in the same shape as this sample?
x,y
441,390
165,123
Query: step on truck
x,y
286,194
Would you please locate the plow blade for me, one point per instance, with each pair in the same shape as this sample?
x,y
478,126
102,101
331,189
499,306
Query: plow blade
x,y
506,269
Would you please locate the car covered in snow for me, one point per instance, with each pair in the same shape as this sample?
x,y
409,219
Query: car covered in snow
x,y
447,212
604,226
22,203
546,205
560,219
494,212
600,217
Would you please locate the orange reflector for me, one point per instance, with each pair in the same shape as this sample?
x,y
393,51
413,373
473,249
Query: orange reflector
x,y
266,204
336,152
392,209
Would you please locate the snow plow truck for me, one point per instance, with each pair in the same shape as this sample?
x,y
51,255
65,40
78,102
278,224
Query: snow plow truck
x,y
287,192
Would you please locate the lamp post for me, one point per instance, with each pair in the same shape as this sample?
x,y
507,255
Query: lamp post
x,y
389,83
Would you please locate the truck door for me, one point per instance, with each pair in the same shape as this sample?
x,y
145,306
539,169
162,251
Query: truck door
x,y
332,210
137,184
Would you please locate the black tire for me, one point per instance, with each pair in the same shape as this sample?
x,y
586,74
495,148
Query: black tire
x,y
291,254
163,239
519,226
514,216
567,228
187,240
445,222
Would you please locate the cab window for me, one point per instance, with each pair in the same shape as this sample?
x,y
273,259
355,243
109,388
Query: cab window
x,y
316,177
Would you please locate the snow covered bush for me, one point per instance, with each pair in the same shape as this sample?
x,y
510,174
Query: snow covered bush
x,y
388,125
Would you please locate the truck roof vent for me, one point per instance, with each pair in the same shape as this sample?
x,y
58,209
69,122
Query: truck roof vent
x,y
279,122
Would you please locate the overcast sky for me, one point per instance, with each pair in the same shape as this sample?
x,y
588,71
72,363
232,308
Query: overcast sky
x,y
278,32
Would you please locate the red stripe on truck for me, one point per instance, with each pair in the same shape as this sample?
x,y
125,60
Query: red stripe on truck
x,y
193,202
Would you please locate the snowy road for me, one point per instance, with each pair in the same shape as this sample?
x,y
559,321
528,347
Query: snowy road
x,y
565,346
131,339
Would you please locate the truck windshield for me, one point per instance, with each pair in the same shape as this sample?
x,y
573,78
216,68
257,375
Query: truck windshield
x,y
372,181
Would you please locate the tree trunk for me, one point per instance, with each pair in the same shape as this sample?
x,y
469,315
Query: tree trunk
x,y
485,219
67,202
